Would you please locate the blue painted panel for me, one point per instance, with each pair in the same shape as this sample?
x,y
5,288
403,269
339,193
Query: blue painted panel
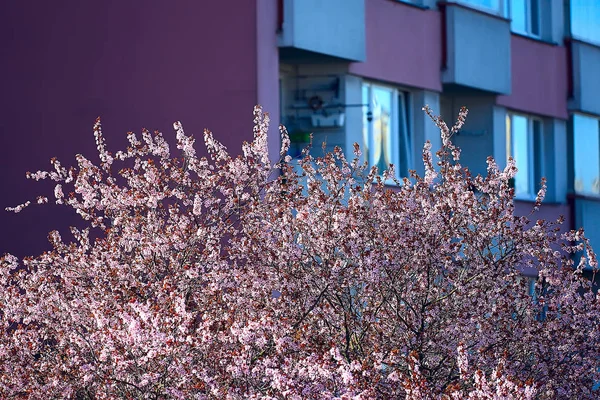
x,y
476,139
478,50
333,27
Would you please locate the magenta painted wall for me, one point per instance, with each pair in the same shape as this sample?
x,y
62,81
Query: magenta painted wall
x,y
403,45
539,78
137,64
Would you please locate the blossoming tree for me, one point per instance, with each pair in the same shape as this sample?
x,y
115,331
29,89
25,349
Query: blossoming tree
x,y
234,278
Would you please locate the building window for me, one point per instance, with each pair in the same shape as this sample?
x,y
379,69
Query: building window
x,y
386,137
585,17
586,154
525,17
523,143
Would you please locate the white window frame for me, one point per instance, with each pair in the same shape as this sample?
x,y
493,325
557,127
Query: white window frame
x,y
534,147
401,147
528,18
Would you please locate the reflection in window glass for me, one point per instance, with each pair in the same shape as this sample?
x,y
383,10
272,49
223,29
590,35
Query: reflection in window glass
x,y
382,123
518,16
386,138
524,143
585,20
586,146
537,153
525,17
521,154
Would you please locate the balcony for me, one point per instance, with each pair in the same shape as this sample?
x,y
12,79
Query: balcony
x,y
476,50
585,79
317,30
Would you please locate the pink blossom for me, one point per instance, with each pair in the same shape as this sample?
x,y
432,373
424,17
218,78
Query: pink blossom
x,y
228,277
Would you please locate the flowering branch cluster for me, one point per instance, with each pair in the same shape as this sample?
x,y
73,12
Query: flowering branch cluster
x,y
231,278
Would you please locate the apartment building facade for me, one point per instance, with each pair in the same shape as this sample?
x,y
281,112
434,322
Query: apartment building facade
x,y
346,70
528,70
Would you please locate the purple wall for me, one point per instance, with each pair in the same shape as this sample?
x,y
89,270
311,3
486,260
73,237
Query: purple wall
x,y
539,78
136,64
403,45
547,211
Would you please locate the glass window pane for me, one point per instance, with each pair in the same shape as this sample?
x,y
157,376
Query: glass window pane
x,y
382,128
535,17
405,161
518,16
520,152
508,137
585,17
536,143
366,123
586,144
